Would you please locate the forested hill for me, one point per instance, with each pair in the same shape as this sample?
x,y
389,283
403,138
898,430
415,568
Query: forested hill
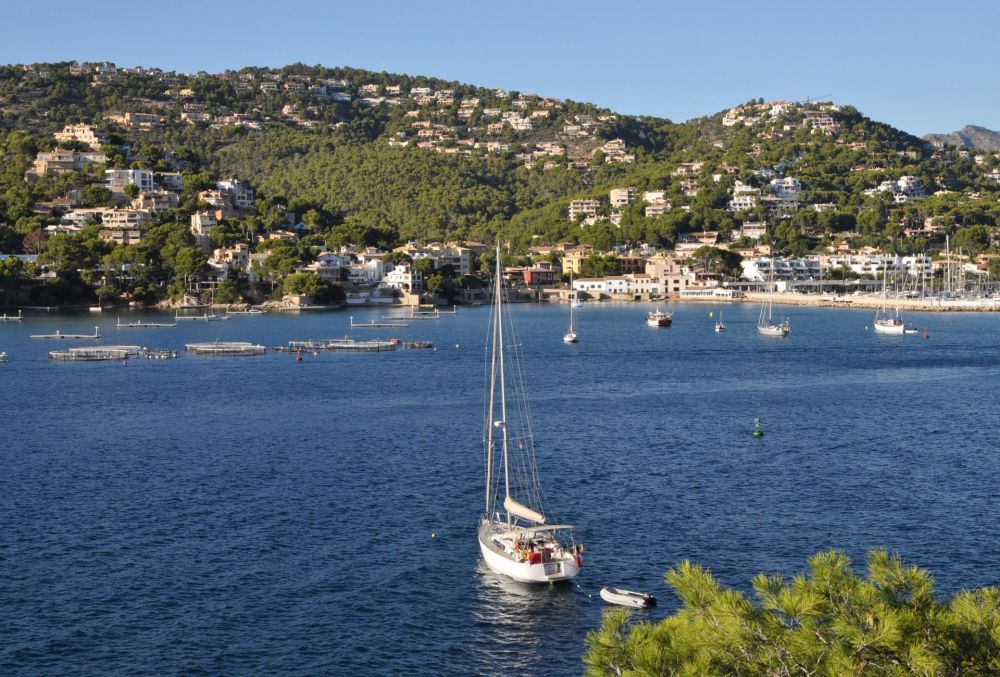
x,y
379,158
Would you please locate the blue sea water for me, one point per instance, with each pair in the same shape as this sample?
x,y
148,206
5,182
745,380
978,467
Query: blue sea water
x,y
257,515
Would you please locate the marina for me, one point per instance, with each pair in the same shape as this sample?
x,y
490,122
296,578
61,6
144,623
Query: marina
x,y
60,335
226,348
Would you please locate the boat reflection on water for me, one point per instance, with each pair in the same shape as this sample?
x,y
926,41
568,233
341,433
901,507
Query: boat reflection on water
x,y
517,622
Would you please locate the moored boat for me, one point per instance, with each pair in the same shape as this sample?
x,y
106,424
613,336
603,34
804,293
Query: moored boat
x,y
637,600
515,536
658,318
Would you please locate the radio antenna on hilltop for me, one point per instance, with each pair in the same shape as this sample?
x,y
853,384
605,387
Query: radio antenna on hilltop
x,y
812,99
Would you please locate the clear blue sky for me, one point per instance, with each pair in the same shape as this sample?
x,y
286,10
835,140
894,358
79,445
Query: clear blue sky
x,y
919,65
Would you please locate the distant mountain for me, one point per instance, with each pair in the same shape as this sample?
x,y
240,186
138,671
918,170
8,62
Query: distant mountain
x,y
969,136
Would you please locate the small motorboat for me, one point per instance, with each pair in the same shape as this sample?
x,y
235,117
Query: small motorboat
x,y
911,330
636,600
659,318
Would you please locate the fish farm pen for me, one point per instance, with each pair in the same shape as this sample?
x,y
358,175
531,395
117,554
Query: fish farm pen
x,y
370,346
89,355
224,348
110,353
344,345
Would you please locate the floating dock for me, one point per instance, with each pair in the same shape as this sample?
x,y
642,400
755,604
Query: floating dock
x,y
11,318
226,348
415,345
205,317
252,311
377,325
414,316
144,325
60,335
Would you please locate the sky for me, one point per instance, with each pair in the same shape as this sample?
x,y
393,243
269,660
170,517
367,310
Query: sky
x,y
921,66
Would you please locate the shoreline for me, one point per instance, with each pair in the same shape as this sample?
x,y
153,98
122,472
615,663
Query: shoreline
x,y
876,302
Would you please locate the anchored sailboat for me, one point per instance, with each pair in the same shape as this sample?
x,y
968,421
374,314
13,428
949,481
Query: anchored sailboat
x,y
571,336
766,326
515,536
883,323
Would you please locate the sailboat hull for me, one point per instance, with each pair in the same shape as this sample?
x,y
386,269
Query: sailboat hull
x,y
503,559
894,327
773,330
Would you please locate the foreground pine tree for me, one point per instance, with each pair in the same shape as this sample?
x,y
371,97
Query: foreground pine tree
x,y
829,621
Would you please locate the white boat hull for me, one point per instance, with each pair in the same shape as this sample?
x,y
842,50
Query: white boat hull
x,y
773,330
636,600
505,562
894,327
570,338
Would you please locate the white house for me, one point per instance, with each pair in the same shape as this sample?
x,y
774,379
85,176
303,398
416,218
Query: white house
x,y
119,178
405,278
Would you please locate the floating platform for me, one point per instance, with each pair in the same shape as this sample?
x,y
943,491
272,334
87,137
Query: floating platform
x,y
377,325
144,325
418,345
60,335
252,311
226,348
11,318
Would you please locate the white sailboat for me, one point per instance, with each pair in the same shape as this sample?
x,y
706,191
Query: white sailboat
x,y
766,326
720,325
515,536
883,323
570,336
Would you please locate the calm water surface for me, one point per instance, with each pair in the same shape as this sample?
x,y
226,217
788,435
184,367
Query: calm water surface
x,y
254,515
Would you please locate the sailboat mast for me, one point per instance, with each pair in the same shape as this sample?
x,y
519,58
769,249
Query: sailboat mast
x,y
503,384
489,421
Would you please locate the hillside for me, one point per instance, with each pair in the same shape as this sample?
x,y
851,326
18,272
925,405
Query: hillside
x,y
969,136
364,158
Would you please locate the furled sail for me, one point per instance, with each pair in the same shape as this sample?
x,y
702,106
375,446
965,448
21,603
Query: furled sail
x,y
523,511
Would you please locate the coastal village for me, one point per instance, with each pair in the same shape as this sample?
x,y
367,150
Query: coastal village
x,y
120,187
371,276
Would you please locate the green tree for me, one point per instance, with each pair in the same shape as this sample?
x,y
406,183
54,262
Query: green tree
x,y
227,292
309,284
131,191
972,239
828,621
